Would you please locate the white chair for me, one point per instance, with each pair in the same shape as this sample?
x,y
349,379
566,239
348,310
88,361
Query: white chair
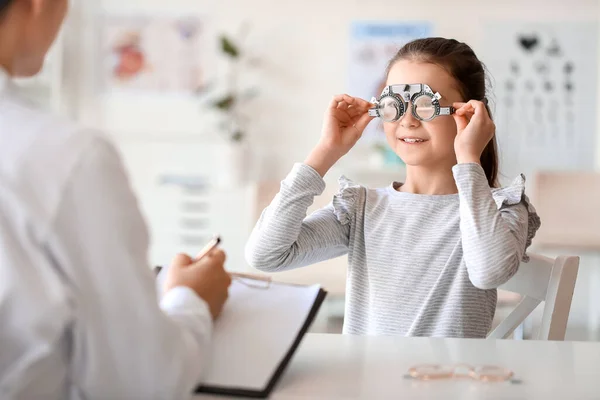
x,y
547,280
570,225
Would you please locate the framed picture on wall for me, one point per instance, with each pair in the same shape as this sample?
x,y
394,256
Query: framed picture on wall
x,y
153,53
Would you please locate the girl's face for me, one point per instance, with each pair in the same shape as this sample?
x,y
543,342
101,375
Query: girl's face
x,y
40,23
437,147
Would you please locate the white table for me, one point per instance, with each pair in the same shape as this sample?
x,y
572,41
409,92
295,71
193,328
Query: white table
x,y
352,367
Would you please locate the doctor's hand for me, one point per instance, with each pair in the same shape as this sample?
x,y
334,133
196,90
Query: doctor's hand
x,y
345,120
207,277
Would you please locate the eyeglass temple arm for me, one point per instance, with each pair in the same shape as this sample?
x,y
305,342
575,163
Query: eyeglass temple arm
x,y
447,110
374,112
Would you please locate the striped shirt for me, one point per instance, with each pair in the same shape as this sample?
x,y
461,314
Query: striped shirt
x,y
419,265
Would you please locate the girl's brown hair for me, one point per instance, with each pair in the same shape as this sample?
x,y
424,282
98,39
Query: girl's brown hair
x,y
469,72
4,5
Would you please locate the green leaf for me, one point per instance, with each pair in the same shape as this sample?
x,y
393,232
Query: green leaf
x,y
380,147
237,136
229,47
225,103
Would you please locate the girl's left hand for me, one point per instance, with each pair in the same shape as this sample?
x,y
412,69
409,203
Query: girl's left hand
x,y
474,128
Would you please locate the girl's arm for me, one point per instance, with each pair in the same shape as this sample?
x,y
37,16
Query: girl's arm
x,y
284,238
496,226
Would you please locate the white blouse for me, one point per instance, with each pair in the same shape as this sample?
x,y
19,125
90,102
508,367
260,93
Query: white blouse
x,y
79,316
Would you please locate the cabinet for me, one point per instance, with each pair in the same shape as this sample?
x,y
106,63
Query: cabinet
x,y
182,202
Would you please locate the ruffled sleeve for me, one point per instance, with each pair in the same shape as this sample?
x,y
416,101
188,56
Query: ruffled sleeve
x,y
512,196
346,200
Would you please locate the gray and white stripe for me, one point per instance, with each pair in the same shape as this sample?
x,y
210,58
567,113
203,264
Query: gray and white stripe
x,y
419,265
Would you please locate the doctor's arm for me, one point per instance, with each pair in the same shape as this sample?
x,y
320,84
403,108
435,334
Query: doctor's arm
x,y
127,343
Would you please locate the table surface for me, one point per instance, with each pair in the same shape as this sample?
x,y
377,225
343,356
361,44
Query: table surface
x,y
353,367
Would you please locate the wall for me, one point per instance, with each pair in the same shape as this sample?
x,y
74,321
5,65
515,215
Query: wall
x,y
304,47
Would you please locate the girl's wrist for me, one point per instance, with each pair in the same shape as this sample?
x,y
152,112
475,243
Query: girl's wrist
x,y
468,156
321,159
468,159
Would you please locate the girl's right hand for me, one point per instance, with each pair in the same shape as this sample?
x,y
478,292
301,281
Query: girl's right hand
x,y
345,120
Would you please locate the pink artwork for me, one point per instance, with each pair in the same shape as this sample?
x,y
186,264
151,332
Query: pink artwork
x,y
159,54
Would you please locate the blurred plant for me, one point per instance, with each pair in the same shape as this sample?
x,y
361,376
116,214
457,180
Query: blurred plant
x,y
231,100
388,156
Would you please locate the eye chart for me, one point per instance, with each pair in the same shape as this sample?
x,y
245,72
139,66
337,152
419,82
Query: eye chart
x,y
545,87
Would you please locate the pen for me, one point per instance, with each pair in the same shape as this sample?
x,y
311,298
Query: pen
x,y
214,242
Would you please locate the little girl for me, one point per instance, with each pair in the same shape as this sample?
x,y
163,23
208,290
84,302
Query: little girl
x,y
425,256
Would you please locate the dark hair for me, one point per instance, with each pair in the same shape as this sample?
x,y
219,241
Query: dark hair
x,y
4,4
463,65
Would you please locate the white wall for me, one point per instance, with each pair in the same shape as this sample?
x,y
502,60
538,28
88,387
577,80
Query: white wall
x,y
304,47
305,50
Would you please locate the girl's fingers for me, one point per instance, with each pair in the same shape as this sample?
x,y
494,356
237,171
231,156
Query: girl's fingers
x,y
339,98
355,111
468,114
461,121
480,114
362,122
473,110
464,110
347,109
477,105
341,115
362,104
462,107
474,106
349,100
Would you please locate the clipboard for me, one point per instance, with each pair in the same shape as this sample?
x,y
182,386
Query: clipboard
x,y
257,335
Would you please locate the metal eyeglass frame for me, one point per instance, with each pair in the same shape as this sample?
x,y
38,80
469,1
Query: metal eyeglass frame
x,y
401,94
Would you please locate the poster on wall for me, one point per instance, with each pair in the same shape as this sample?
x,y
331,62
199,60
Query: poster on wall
x,y
545,87
153,53
372,45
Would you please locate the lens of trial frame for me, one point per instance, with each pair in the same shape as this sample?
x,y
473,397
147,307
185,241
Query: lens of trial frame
x,y
390,109
424,107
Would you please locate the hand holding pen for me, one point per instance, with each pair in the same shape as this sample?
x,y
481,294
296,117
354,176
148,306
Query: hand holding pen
x,y
205,275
